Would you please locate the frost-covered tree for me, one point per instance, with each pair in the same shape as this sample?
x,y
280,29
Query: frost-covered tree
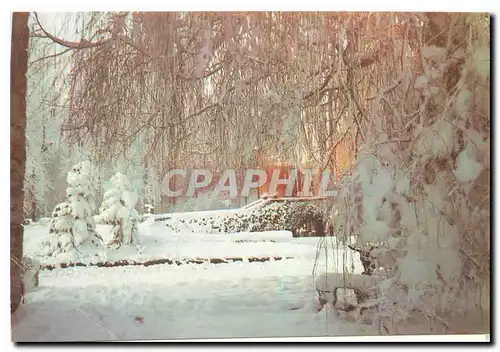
x,y
420,187
46,107
72,224
118,210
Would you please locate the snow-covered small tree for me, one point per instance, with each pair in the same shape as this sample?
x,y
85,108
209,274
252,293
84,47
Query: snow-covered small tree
x,y
72,223
118,210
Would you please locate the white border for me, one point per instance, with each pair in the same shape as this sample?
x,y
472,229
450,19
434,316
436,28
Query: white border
x,y
212,5
259,5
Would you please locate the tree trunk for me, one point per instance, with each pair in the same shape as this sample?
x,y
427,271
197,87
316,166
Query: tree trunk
x,y
18,68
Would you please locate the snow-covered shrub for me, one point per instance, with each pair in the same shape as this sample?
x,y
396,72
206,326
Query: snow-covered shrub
x,y
308,218
118,210
421,185
274,216
72,224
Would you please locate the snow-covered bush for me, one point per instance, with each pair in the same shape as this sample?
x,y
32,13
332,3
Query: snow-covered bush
x,y
274,216
284,215
118,210
420,185
72,224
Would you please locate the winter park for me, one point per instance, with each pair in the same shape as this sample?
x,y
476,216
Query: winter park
x,y
230,175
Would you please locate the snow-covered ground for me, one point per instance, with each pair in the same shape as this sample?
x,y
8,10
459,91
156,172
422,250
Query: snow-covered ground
x,y
238,299
158,241
242,299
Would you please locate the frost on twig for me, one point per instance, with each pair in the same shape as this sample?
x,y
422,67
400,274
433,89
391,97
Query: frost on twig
x,y
419,190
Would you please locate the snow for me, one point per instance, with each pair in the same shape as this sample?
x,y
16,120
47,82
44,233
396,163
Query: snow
x,y
94,323
433,52
71,224
330,281
463,101
159,242
276,298
237,299
437,140
467,169
442,142
269,299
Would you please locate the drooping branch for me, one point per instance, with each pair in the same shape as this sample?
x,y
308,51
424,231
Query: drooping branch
x,y
83,44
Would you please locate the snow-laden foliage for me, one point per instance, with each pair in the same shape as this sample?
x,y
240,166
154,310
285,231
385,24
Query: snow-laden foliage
x,y
118,210
72,223
420,187
46,159
298,217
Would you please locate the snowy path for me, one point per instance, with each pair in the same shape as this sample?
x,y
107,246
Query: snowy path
x,y
238,300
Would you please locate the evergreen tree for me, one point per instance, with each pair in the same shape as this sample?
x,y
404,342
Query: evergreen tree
x,y
72,223
118,210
